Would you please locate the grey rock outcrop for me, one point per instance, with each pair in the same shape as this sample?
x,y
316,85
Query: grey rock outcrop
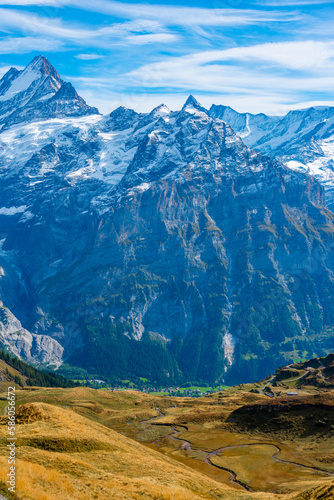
x,y
23,344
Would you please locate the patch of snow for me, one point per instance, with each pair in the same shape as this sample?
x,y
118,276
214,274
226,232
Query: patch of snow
x,y
21,83
108,136
115,156
296,165
231,139
194,111
154,137
161,111
2,117
247,131
12,210
101,204
321,168
143,187
328,147
34,136
46,97
26,216
84,172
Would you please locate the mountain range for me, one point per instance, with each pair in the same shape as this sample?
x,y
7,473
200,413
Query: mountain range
x,y
303,139
173,245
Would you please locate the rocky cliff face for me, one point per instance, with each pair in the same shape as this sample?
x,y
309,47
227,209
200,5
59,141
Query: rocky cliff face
x,y
160,245
22,343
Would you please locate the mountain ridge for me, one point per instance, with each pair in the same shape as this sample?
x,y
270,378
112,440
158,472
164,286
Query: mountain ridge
x,y
163,239
303,139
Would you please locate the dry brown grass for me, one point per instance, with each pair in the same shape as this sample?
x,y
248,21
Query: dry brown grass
x,y
68,448
320,493
255,466
127,470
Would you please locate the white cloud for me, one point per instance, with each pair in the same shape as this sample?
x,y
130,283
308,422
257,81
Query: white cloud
x,y
152,38
183,75
170,15
262,78
270,103
255,68
90,81
178,15
291,3
23,45
33,23
28,23
294,55
89,57
38,3
262,73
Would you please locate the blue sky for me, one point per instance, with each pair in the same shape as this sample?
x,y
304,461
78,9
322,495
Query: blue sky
x,y
259,56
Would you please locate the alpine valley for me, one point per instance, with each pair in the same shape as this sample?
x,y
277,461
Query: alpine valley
x,y
159,245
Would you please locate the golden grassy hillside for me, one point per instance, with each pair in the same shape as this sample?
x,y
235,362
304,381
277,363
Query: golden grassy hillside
x,y
94,444
320,493
63,455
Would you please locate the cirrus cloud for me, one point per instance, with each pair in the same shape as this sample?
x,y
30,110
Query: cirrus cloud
x,y
170,15
24,45
89,57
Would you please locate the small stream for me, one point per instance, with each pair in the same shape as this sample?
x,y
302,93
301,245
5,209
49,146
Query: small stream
x,y
187,446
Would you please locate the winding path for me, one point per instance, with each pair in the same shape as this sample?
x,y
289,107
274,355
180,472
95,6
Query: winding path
x,y
267,384
287,380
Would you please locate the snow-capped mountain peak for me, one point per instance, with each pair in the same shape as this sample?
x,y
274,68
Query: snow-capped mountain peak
x,y
20,81
192,101
161,111
192,106
250,128
121,118
7,80
30,94
303,138
160,225
41,64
